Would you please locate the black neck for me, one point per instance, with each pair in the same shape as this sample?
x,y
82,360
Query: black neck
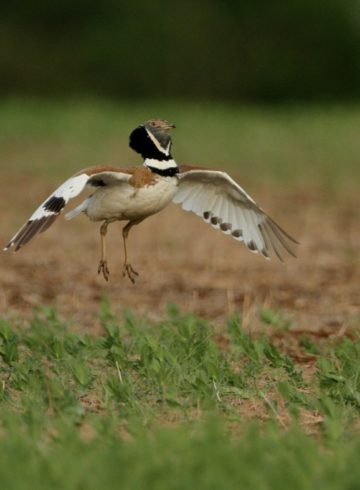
x,y
164,172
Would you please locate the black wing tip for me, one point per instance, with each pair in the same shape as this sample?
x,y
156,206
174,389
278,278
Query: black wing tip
x,y
277,238
12,245
292,253
30,229
289,237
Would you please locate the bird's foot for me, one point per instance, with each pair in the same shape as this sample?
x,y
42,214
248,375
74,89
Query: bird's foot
x,y
130,272
103,267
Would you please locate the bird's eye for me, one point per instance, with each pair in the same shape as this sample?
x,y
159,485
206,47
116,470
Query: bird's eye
x,y
153,124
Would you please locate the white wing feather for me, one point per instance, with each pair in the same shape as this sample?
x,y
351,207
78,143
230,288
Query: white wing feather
x,y
225,205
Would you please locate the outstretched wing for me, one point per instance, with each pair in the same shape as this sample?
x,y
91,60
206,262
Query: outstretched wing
x,y
221,202
46,214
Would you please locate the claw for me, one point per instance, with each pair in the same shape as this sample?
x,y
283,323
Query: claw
x,y
104,269
129,271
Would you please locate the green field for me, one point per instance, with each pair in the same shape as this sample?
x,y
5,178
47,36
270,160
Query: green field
x,y
313,146
182,402
161,406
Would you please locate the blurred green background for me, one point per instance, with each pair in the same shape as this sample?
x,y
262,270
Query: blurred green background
x,y
258,50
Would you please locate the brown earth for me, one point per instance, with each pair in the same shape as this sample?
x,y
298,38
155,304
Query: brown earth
x,y
184,261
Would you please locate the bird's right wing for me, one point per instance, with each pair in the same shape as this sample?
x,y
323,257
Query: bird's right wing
x,y
49,210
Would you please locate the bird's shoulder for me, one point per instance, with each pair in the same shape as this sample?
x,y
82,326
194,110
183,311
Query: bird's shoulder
x,y
138,176
101,169
183,168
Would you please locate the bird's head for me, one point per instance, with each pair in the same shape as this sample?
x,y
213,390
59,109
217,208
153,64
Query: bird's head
x,y
152,139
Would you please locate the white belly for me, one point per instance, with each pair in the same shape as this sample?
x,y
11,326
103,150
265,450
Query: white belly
x,y
125,202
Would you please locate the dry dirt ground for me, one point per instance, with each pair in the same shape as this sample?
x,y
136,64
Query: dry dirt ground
x,y
184,261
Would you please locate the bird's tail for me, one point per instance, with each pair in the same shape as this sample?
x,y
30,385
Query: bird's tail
x,y
79,209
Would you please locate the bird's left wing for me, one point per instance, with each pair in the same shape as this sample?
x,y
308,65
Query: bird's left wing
x,y
221,202
49,210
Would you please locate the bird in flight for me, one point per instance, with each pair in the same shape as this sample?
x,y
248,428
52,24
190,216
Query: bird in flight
x,y
132,194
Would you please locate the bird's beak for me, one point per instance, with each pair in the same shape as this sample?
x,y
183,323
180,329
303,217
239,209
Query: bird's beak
x,y
171,126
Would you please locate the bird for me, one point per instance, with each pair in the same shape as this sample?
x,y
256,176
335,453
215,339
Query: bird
x,y
134,193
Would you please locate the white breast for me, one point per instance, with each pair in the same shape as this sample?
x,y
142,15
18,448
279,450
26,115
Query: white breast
x,y
126,202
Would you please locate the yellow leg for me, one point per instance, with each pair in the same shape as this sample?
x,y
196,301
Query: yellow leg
x,y
103,267
128,270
